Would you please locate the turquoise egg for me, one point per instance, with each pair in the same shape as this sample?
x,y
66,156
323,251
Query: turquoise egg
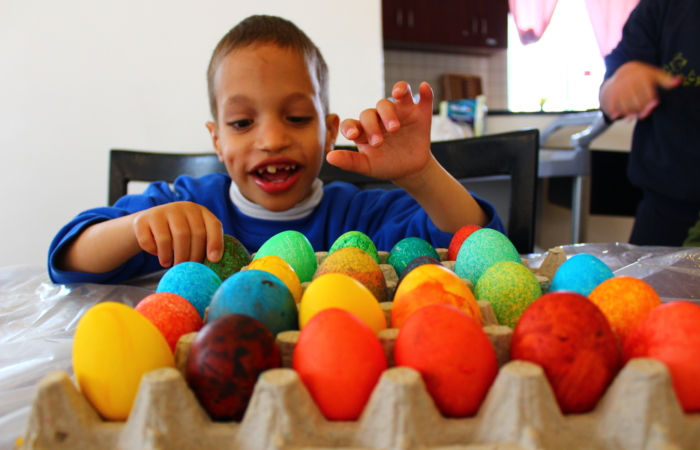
x,y
294,248
484,248
234,258
356,239
408,249
581,274
510,287
193,281
258,294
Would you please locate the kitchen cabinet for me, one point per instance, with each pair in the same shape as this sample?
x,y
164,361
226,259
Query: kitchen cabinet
x,y
462,26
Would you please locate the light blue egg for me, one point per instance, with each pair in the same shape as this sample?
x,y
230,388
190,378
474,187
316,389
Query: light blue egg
x,y
581,274
193,281
258,294
484,248
408,249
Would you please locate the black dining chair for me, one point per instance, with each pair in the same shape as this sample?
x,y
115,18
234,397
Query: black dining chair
x,y
512,154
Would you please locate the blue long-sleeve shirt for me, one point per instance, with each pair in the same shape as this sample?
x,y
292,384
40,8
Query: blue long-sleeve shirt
x,y
386,216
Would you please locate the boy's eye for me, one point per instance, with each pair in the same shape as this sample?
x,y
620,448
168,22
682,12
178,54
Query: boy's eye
x,y
299,119
240,124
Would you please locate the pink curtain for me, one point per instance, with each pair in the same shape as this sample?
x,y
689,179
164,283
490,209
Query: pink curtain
x,y
532,18
608,17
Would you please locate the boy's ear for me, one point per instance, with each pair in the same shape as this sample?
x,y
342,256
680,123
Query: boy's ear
x,y
332,126
214,133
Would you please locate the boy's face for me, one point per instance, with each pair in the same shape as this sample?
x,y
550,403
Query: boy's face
x,y
271,132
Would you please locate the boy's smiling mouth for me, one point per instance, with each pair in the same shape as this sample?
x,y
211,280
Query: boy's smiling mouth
x,y
276,177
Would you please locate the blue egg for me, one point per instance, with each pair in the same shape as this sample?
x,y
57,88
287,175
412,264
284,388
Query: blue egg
x,y
483,249
581,274
193,281
258,294
408,249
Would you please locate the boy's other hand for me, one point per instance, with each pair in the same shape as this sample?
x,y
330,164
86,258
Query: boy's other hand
x,y
632,90
393,139
179,232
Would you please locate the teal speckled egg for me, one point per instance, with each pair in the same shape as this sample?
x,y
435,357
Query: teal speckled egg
x,y
483,249
408,249
235,257
192,280
294,248
356,239
510,287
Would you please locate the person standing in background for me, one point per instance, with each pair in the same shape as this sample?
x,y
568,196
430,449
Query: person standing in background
x,y
653,75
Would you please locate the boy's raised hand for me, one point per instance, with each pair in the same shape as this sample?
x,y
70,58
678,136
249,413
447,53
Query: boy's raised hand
x,y
179,232
393,139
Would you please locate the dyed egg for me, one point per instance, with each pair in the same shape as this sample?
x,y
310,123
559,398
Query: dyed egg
x,y
458,239
581,273
294,248
483,249
113,347
356,239
339,359
625,301
510,287
416,263
282,270
571,340
257,294
171,314
193,281
408,249
337,290
671,334
453,355
359,265
234,258
225,360
430,284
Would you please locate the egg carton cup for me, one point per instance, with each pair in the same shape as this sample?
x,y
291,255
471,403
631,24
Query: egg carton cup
x,y
638,411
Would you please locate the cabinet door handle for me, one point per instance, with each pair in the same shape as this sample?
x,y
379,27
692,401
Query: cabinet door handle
x,y
399,17
484,27
409,18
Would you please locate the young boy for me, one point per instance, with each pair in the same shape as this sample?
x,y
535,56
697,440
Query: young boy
x,y
268,92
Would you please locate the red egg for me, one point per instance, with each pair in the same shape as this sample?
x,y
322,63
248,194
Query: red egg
x,y
458,239
172,314
339,359
453,355
226,359
671,334
571,339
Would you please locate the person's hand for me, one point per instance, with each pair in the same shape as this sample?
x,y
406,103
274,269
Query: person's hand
x,y
393,139
179,232
632,90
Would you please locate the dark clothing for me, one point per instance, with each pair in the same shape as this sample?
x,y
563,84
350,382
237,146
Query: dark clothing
x,y
663,221
665,158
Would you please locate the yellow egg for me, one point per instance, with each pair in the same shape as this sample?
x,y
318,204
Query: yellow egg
x,y
358,264
282,270
114,346
337,290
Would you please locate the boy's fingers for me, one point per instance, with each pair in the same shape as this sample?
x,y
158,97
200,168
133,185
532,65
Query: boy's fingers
x,y
402,94
163,240
198,238
648,108
351,128
669,81
372,129
387,113
352,161
426,96
181,238
215,237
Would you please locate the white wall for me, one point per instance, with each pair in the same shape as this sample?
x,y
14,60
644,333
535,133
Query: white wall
x,y
80,77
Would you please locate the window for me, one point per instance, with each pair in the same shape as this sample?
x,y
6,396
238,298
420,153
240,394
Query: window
x,y
563,70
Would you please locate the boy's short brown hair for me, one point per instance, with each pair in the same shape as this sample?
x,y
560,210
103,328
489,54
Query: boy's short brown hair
x,y
262,29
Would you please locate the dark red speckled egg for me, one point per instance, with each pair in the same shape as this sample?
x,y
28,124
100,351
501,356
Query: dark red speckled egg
x,y
225,360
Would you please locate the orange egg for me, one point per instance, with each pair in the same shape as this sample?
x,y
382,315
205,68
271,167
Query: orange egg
x,y
430,284
281,269
359,265
453,355
339,359
625,301
172,314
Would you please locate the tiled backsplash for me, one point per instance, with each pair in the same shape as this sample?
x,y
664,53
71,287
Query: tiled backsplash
x,y
414,67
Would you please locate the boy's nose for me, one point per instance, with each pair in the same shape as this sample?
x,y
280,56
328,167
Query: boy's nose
x,y
272,137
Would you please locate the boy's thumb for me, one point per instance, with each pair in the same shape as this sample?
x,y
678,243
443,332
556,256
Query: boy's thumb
x,y
669,81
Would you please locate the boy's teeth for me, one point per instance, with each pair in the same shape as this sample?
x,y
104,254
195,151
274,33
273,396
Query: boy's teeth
x,y
271,169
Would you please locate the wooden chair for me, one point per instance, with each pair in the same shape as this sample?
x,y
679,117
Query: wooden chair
x,y
513,154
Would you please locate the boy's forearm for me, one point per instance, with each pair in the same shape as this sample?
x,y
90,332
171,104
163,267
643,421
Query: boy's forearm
x,y
447,202
101,247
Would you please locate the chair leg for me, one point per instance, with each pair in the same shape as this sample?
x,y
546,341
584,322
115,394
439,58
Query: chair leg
x,y
580,205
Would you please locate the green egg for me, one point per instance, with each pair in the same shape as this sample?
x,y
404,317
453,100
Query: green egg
x,y
510,287
355,239
483,249
408,249
294,248
235,257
